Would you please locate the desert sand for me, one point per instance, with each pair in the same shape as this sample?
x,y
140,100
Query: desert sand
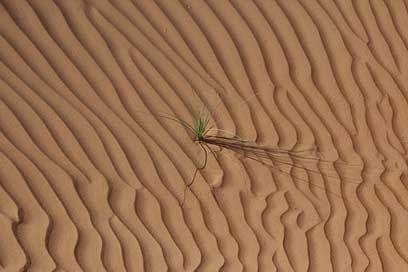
x,y
92,178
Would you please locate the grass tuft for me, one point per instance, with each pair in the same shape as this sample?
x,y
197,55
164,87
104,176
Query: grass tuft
x,y
208,137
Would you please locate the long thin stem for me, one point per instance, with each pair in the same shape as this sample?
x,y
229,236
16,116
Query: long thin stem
x,y
292,176
195,173
267,154
212,152
179,121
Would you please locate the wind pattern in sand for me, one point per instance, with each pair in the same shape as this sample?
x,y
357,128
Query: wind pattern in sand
x,y
88,183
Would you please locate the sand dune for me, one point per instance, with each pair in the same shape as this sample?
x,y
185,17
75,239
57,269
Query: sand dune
x,y
92,179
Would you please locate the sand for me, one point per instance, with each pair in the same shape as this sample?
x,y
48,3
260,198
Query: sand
x,y
92,179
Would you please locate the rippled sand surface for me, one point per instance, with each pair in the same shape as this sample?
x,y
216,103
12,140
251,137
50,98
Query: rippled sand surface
x,y
92,179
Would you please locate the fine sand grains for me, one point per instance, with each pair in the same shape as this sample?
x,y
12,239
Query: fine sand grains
x,y
92,179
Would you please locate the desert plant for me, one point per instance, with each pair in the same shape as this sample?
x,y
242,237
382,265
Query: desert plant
x,y
208,137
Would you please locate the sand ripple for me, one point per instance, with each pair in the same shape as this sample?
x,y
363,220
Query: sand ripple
x,y
92,180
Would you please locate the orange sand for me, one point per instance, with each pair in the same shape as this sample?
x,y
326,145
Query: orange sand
x,y
92,180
